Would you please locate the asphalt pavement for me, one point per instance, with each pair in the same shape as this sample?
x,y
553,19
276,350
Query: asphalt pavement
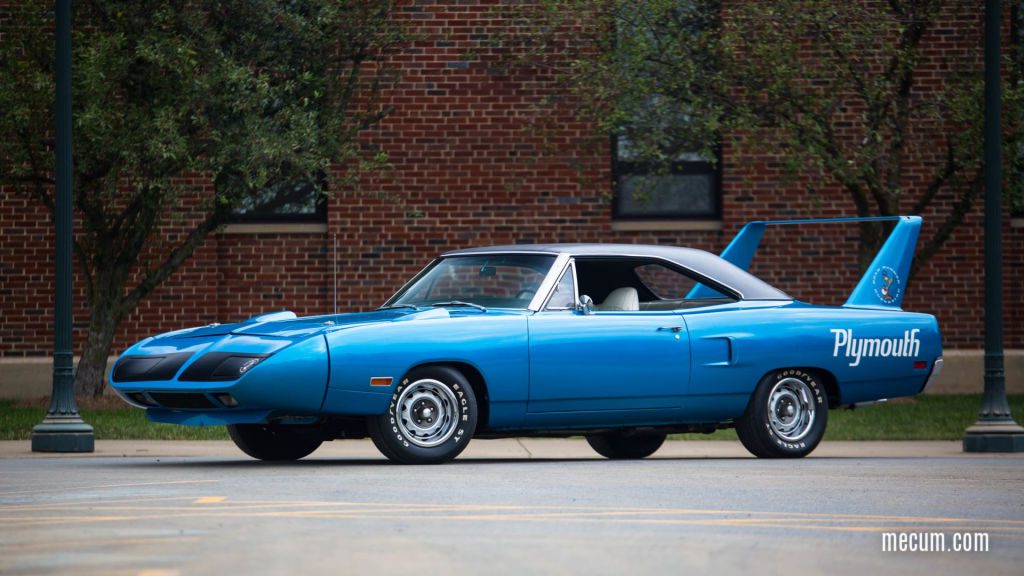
x,y
505,507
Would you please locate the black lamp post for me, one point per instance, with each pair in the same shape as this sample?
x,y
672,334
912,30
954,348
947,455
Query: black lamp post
x,y
63,429
995,430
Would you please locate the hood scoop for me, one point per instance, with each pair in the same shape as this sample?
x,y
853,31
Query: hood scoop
x,y
224,329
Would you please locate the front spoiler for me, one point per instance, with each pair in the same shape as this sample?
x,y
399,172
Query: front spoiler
x,y
215,418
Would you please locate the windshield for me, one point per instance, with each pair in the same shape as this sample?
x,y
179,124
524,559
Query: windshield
x,y
498,281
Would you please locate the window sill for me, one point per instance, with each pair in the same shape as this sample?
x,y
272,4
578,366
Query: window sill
x,y
1017,222
666,225
276,228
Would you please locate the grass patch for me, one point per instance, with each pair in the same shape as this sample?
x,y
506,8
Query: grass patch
x,y
918,418
111,419
932,417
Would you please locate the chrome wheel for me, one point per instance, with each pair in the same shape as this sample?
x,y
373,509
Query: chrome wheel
x,y
791,409
428,413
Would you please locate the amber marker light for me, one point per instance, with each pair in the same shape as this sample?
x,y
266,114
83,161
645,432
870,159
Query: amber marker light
x,y
380,381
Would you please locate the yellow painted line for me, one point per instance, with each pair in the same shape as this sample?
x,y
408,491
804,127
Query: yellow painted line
x,y
85,504
376,515
95,543
782,517
399,513
385,507
180,507
358,507
101,486
67,518
995,531
626,510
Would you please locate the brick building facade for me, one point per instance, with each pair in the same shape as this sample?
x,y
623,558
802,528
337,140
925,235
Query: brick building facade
x,y
468,171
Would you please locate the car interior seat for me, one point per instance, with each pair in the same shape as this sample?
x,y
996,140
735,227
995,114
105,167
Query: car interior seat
x,y
625,298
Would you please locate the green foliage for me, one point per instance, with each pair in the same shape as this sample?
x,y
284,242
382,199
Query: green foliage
x,y
647,72
249,92
243,94
828,87
1013,111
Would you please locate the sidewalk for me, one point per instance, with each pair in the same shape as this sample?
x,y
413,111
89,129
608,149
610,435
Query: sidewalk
x,y
509,448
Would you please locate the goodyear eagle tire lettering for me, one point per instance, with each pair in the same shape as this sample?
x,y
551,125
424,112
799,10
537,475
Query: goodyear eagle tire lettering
x,y
431,417
786,416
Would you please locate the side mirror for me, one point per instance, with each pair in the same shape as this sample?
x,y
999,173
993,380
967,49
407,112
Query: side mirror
x,y
585,305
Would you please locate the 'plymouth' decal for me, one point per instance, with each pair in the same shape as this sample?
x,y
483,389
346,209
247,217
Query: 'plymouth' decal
x,y
856,348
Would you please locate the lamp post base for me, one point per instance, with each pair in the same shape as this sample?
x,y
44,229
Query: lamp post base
x,y
999,436
63,433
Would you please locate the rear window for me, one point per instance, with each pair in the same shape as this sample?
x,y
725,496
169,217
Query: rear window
x,y
668,284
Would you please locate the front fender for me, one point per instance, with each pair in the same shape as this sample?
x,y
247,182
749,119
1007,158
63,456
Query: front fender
x,y
494,344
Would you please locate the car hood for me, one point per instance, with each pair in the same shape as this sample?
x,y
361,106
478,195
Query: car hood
x,y
287,325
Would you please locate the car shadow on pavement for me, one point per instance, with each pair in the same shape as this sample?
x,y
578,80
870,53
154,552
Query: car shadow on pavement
x,y
204,462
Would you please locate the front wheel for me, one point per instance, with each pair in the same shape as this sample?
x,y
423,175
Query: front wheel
x,y
786,416
626,445
430,419
274,442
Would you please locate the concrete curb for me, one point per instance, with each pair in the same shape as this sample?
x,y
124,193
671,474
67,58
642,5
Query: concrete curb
x,y
508,448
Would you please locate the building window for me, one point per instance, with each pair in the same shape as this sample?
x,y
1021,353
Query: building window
x,y
687,188
662,167
283,203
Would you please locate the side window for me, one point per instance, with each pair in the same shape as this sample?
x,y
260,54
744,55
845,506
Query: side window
x,y
564,296
668,284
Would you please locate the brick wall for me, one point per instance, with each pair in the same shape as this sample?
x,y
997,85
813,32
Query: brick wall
x,y
468,171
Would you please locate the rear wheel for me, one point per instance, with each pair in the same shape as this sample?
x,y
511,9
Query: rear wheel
x,y
430,419
275,442
786,416
626,445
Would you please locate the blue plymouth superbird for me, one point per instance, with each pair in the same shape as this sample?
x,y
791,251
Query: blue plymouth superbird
x,y
620,343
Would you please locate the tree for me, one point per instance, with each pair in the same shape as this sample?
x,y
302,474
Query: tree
x,y
832,87
247,94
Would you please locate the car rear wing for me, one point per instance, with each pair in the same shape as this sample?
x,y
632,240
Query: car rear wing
x,y
884,282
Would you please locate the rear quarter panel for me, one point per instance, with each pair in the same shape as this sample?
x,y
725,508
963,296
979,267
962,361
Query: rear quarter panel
x,y
734,346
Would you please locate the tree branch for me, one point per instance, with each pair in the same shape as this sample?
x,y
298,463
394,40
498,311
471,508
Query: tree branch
x,y
40,179
82,255
949,168
955,217
154,276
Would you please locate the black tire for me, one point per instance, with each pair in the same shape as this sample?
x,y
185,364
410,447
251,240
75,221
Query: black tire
x,y
768,438
275,442
625,445
406,434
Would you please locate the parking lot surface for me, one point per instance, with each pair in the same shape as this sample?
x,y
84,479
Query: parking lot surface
x,y
505,507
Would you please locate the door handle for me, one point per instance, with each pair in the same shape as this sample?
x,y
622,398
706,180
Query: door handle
x,y
676,329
